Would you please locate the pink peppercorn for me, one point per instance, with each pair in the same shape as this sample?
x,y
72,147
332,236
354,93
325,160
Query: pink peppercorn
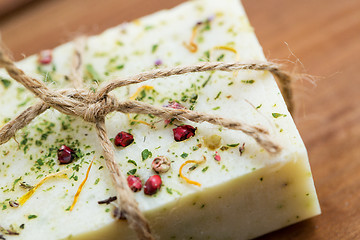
x,y
45,57
183,132
65,154
217,157
123,139
134,183
174,105
152,185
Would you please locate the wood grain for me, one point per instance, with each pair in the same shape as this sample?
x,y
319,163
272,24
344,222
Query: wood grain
x,y
7,6
323,34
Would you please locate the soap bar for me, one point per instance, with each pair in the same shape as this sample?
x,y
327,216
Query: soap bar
x,y
221,183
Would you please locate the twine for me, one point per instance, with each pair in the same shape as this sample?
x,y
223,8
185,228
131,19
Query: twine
x,y
93,107
77,62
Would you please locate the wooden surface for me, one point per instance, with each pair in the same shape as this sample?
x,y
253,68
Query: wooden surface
x,y
323,34
7,6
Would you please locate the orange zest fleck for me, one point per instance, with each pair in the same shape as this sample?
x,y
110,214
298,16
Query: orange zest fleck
x,y
27,195
187,179
144,87
192,46
76,197
138,121
227,48
133,97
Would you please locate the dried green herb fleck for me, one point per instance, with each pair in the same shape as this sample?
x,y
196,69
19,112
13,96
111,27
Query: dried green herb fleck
x,y
119,43
276,115
131,172
15,182
193,98
220,57
141,96
205,169
118,67
207,81
132,162
32,216
218,95
169,190
224,148
192,168
148,27
248,81
145,154
92,72
233,145
194,148
154,48
5,82
97,181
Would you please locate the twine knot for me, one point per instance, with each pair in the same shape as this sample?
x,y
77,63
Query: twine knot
x,y
98,108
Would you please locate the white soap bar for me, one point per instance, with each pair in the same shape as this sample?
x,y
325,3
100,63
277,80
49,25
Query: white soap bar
x,y
241,196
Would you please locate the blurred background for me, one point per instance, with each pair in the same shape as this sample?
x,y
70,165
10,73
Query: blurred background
x,y
323,34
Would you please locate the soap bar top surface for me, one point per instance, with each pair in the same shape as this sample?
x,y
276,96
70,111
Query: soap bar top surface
x,y
160,40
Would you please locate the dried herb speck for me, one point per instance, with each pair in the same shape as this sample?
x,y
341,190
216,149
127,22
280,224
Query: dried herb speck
x,y
131,172
108,200
248,81
13,204
242,149
25,185
145,154
132,162
5,82
276,115
205,169
233,145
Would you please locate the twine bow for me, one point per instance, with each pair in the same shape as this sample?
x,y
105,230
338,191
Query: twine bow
x,y
93,107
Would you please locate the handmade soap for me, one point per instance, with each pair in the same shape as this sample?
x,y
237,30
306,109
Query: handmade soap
x,y
216,183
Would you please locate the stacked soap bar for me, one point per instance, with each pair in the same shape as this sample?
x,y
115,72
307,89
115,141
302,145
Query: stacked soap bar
x,y
220,184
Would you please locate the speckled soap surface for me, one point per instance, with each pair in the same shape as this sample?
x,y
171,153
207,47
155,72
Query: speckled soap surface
x,y
242,196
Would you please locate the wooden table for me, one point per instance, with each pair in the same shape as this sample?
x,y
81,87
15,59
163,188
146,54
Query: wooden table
x,y
323,34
